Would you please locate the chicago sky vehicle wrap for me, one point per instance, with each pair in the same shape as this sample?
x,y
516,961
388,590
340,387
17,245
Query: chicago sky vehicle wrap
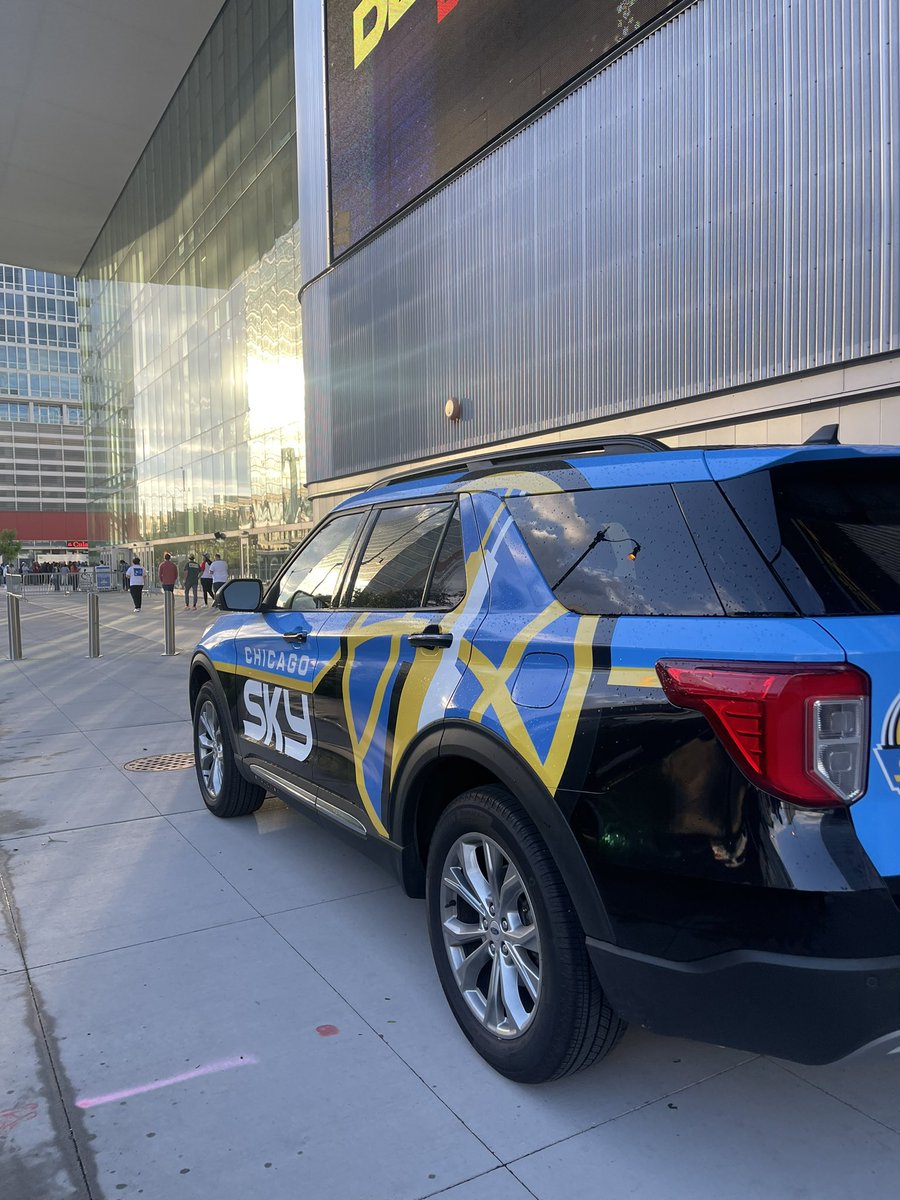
x,y
705,889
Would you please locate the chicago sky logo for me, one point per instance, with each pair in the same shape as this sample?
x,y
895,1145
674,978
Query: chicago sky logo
x,y
263,703
888,753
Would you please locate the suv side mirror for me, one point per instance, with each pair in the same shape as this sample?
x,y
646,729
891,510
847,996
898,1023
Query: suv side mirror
x,y
240,595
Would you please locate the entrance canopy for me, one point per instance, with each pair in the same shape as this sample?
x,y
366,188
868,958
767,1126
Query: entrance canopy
x,y
82,87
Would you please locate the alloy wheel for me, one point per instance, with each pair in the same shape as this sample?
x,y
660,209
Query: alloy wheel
x,y
490,935
210,750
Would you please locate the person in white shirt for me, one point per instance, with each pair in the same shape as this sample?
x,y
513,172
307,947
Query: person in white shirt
x,y
135,577
218,571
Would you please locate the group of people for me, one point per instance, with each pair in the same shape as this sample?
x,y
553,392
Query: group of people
x,y
60,574
210,573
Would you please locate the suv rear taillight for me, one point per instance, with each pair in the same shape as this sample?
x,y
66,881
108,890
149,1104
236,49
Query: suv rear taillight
x,y
798,731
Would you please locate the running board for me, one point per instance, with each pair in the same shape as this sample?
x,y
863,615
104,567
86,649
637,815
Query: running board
x,y
276,780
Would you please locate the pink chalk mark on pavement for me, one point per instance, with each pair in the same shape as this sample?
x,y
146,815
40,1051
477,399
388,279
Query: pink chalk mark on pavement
x,y
11,1117
327,1030
225,1064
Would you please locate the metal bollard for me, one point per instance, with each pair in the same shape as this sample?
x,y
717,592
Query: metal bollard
x,y
14,618
93,625
169,622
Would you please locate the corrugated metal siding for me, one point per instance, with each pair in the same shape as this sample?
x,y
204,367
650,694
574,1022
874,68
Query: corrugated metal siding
x,y
714,208
312,186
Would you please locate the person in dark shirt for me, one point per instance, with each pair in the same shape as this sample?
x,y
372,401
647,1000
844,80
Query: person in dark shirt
x,y
191,576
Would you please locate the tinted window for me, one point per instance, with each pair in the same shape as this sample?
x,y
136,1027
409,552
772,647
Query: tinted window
x,y
742,578
396,562
839,529
448,584
312,577
617,551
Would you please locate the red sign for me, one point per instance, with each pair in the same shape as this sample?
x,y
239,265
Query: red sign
x,y
76,545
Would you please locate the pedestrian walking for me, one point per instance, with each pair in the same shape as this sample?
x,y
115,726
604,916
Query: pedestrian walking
x,y
218,571
123,572
64,573
168,573
191,575
135,577
206,579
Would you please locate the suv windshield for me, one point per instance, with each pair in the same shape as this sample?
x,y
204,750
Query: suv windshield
x,y
831,531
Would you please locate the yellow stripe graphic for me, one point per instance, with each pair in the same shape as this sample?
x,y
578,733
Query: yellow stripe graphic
x,y
636,677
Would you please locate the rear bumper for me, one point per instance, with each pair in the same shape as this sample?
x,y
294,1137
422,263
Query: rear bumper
x,y
809,1010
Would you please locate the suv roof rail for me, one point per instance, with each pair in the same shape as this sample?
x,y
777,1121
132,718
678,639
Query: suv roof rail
x,y
620,444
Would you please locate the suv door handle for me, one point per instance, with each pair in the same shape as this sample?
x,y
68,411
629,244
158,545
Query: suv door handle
x,y
431,637
299,636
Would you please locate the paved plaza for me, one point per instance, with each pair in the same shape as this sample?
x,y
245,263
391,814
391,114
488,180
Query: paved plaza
x,y
195,1009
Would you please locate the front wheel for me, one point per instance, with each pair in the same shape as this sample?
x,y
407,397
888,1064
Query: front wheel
x,y
508,947
225,791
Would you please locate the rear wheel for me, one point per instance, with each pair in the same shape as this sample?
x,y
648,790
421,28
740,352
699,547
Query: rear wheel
x,y
225,791
508,947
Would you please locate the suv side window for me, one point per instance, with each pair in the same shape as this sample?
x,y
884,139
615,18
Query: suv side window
x,y
617,551
448,583
312,577
396,563
745,584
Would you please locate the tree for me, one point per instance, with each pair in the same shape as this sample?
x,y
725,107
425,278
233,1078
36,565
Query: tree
x,y
9,545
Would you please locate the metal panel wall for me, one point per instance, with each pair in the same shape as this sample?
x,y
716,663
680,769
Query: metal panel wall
x,y
312,184
714,208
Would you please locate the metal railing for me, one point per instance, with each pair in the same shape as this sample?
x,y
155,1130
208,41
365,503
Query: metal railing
x,y
48,581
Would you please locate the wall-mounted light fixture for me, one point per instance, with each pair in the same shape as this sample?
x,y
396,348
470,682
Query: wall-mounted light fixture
x,y
452,409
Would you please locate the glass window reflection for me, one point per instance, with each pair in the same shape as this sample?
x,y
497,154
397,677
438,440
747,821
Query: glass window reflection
x,y
194,394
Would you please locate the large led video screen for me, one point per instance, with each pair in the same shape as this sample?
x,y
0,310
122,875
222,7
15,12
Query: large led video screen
x,y
415,87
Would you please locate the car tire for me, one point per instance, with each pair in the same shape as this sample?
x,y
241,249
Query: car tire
x,y
225,791
509,949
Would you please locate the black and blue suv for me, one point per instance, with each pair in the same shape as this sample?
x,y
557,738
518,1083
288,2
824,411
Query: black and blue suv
x,y
628,718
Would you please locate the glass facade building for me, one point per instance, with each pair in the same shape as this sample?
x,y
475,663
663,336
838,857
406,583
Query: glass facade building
x,y
193,373
580,257
42,458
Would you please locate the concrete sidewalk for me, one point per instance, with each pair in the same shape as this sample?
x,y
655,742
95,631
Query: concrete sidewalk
x,y
194,1009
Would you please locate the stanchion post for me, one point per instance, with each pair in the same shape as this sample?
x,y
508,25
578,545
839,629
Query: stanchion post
x,y
169,622
93,625
14,619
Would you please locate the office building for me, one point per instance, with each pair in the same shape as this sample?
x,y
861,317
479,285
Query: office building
x,y
42,479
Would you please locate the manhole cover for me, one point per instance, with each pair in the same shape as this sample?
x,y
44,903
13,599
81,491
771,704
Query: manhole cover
x,y
161,762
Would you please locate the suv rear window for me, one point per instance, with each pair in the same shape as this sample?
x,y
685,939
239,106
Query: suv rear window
x,y
617,551
831,530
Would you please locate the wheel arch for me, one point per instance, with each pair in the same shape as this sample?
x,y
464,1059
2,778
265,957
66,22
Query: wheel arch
x,y
450,759
203,671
